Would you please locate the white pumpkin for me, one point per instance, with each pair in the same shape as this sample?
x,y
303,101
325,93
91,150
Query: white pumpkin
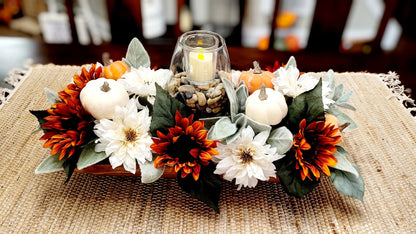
x,y
101,96
266,106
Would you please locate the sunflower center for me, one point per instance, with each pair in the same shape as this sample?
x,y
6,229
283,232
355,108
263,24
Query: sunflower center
x,y
313,141
180,149
246,156
131,135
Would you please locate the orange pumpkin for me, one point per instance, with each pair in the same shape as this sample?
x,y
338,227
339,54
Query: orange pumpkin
x,y
115,70
333,120
256,77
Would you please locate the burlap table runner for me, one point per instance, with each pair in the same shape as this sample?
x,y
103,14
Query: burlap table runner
x,y
383,147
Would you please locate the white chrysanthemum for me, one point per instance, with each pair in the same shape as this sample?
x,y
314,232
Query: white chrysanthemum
x,y
247,159
142,81
290,84
126,138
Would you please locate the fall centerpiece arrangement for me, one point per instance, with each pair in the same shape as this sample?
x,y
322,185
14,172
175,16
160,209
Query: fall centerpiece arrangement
x,y
238,126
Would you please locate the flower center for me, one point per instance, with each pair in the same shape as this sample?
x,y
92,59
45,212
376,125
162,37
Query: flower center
x,y
180,149
131,135
246,156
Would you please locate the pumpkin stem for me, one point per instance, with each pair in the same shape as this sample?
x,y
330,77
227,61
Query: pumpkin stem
x,y
343,126
257,69
105,87
106,58
263,95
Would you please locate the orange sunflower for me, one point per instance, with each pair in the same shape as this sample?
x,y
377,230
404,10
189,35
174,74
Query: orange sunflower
x,y
314,147
185,147
68,125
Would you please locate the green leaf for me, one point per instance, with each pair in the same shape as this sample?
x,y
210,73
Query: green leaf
x,y
206,189
290,178
281,139
89,157
291,62
348,184
343,118
307,106
70,164
164,110
50,164
149,173
40,115
52,96
232,96
136,55
343,164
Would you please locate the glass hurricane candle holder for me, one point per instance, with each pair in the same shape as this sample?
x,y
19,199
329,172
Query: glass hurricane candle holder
x,y
198,63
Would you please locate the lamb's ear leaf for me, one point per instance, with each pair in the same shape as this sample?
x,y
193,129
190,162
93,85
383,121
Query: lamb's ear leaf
x,y
348,183
50,164
136,55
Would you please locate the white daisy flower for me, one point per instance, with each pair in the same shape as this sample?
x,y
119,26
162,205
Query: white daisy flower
x,y
247,159
142,81
126,138
290,84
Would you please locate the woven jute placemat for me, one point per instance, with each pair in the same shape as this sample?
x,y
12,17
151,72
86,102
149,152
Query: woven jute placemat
x,y
383,147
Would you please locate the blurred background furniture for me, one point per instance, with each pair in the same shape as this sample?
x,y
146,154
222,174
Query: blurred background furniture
x,y
345,35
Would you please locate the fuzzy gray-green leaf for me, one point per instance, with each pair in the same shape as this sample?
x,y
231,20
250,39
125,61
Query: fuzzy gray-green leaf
x,y
281,139
343,118
242,94
149,173
52,96
348,184
232,96
50,164
89,157
222,129
136,55
291,62
343,164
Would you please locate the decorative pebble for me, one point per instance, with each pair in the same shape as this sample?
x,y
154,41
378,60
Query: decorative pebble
x,y
202,100
186,88
208,98
188,95
174,84
216,110
212,101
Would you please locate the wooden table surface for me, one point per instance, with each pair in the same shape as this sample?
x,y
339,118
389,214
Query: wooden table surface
x,y
15,51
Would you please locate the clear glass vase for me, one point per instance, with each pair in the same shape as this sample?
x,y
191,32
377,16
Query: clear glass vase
x,y
199,62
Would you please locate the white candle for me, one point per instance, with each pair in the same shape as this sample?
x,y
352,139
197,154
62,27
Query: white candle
x,y
201,65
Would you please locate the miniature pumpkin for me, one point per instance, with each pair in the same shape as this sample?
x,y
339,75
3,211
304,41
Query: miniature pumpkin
x,y
101,96
256,77
333,120
115,70
266,106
